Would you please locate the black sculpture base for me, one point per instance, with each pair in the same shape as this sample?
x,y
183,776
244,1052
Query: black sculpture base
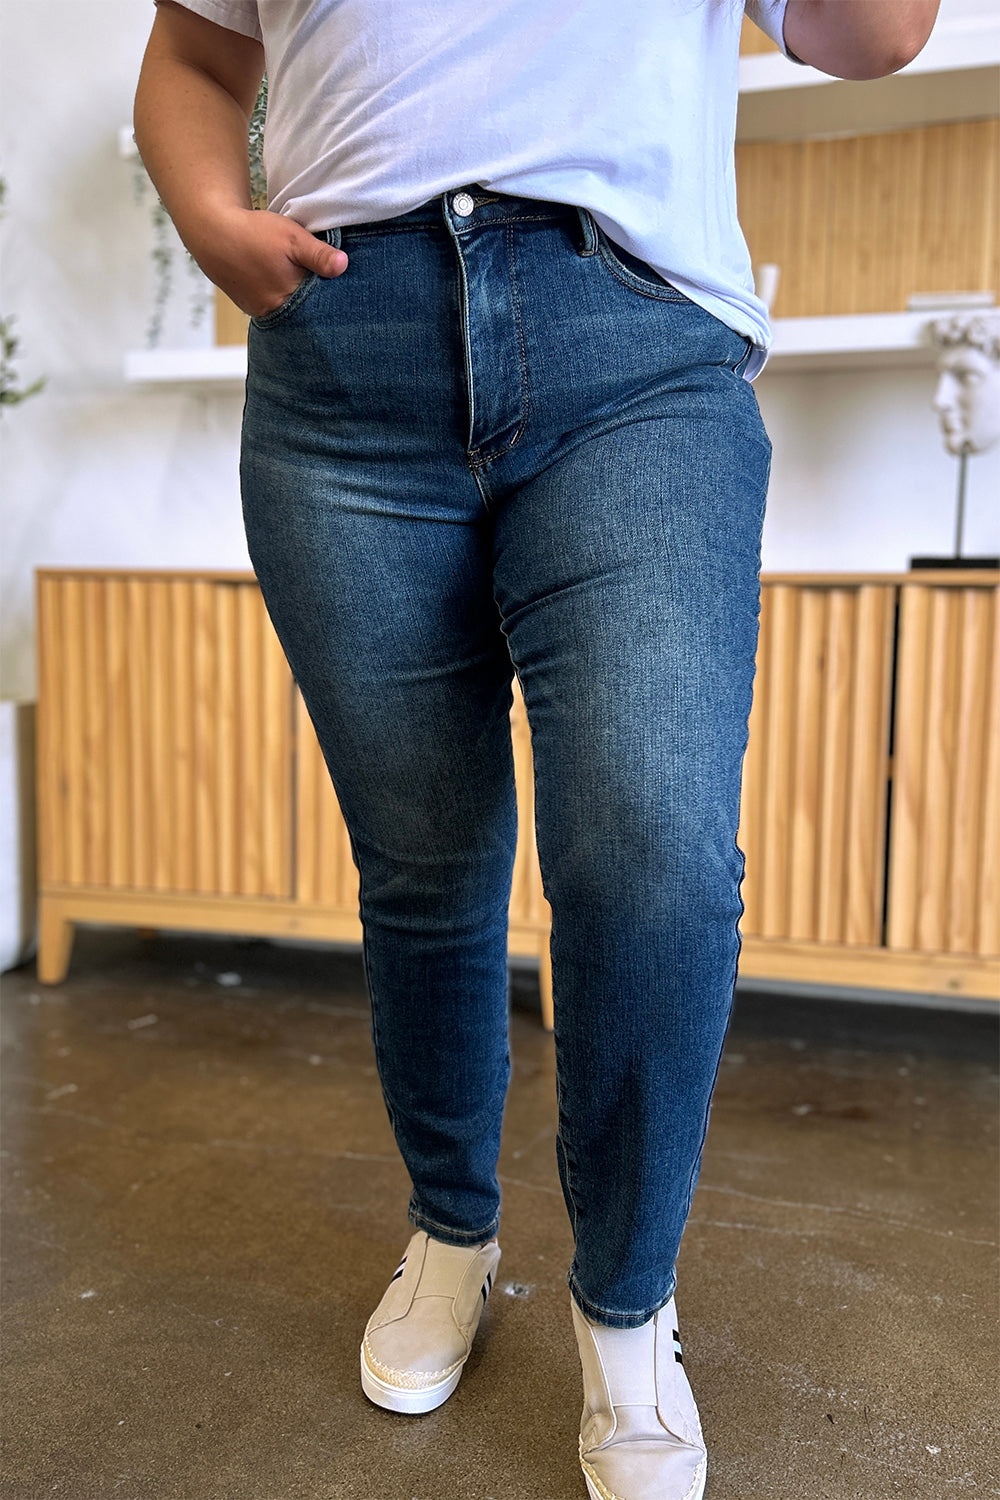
x,y
955,562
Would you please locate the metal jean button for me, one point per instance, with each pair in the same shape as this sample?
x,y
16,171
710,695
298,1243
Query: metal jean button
x,y
462,204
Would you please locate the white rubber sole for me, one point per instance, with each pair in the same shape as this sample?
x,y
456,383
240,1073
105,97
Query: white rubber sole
x,y
397,1398
696,1494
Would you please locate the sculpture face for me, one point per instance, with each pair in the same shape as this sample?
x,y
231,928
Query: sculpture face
x,y
967,399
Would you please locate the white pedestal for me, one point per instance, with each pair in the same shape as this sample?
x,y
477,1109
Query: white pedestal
x,y
18,885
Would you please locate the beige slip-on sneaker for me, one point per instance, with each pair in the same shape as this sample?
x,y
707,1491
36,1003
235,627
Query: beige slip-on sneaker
x,y
640,1435
420,1335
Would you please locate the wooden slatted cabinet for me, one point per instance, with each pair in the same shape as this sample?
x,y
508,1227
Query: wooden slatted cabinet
x,y
180,783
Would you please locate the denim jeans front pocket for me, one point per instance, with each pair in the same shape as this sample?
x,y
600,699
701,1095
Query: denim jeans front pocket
x,y
301,292
634,272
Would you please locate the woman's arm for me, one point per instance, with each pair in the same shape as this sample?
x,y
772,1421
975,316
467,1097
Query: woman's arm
x,y
858,38
193,102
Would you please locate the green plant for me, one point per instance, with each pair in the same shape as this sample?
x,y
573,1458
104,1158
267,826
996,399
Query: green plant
x,y
255,148
10,391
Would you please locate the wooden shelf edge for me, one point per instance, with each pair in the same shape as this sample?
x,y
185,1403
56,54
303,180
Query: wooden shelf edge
x,y
838,341
810,963
948,577
225,363
871,968
965,42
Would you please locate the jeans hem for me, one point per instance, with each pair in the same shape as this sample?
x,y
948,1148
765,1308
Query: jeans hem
x,y
463,1237
609,1318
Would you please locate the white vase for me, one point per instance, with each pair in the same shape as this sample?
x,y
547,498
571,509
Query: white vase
x,y
766,278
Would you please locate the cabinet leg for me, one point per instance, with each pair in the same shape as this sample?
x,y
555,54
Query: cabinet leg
x,y
545,985
55,941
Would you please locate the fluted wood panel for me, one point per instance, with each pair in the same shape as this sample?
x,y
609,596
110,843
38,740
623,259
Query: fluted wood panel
x,y
860,222
943,885
52,823
813,809
180,780
231,322
164,737
528,905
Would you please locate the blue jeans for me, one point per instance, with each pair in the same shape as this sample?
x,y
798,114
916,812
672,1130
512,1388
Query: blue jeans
x,y
498,442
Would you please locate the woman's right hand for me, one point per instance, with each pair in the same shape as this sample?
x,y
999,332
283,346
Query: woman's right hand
x,y
193,102
258,258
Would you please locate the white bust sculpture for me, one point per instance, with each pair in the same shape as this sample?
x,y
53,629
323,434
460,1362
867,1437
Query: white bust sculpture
x,y
967,398
967,401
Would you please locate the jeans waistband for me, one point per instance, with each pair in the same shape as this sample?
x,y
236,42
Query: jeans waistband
x,y
474,207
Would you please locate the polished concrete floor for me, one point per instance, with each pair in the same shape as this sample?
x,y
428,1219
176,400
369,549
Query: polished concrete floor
x,y
203,1203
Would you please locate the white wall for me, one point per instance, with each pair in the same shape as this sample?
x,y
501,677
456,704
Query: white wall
x,y
94,472
97,472
860,478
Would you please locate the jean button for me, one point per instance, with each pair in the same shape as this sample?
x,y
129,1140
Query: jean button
x,y
463,204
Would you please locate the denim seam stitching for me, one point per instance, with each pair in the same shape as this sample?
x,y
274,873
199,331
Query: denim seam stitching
x,y
503,220
630,279
590,1308
480,462
470,1234
463,282
475,461
695,1169
356,231
522,357
643,288
561,1143
301,292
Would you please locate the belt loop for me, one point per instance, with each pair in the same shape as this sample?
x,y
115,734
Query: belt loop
x,y
333,237
589,231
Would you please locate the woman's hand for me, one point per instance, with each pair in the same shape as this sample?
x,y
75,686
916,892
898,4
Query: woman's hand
x,y
258,258
192,107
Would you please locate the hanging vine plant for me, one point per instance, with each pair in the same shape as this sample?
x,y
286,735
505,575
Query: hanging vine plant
x,y
166,246
11,391
255,147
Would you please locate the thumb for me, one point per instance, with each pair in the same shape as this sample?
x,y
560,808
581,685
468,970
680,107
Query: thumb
x,y
316,256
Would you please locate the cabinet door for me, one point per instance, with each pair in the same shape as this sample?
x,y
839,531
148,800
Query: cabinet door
x,y
529,910
164,757
944,870
815,777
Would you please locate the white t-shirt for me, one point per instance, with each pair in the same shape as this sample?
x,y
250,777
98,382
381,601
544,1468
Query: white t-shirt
x,y
628,109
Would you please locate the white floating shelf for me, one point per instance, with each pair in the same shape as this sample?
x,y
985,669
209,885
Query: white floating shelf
x,y
221,362
852,341
953,45
955,77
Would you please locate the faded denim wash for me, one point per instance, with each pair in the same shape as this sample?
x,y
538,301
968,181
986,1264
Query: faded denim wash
x,y
498,442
